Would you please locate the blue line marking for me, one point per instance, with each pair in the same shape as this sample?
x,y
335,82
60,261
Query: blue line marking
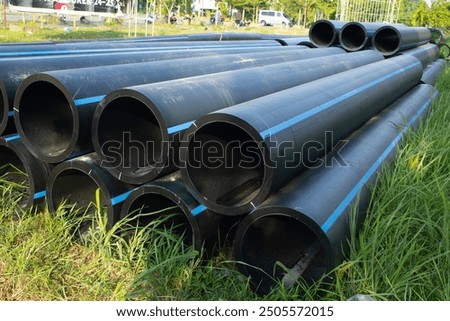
x,y
177,128
39,194
277,128
120,198
356,189
198,210
88,100
7,139
10,113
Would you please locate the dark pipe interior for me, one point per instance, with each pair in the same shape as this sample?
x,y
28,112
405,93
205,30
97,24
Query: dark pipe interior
x,y
13,170
132,130
150,207
353,37
74,187
322,34
3,104
386,40
225,164
46,118
283,239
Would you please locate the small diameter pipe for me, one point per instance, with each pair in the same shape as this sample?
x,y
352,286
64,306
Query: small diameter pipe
x,y
325,33
32,175
293,41
389,40
169,196
136,130
53,110
432,72
76,182
427,54
237,156
301,231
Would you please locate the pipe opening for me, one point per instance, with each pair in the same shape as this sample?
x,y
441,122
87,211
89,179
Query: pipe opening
x,y
281,248
353,37
130,137
4,108
225,164
150,207
13,174
322,34
386,40
46,118
75,188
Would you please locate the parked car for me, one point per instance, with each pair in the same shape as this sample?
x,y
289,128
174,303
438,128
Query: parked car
x,y
273,18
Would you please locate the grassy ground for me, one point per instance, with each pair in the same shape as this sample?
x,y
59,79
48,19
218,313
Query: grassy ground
x,y
401,253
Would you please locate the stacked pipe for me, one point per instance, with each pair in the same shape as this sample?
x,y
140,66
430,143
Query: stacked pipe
x,y
214,137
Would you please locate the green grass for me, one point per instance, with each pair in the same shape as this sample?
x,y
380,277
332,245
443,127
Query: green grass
x,y
402,251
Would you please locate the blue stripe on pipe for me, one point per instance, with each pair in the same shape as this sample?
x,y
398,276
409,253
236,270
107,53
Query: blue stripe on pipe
x,y
177,128
32,53
67,52
198,210
120,198
7,139
88,100
277,128
39,194
354,192
10,113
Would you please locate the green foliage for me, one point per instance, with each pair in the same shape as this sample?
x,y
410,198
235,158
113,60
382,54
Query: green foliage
x,y
438,15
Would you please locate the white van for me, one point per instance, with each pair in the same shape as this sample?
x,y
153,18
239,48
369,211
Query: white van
x,y
272,18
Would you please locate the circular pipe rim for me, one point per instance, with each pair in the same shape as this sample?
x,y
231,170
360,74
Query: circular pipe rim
x,y
317,36
346,35
379,40
38,149
4,105
160,122
241,125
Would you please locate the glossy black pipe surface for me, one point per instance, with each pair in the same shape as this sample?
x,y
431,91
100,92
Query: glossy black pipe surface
x,y
325,33
389,40
432,72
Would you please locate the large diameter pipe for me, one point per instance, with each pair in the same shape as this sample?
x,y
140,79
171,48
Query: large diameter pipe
x,y
53,110
389,40
136,131
77,183
15,70
301,231
168,200
99,47
258,146
432,72
426,54
325,33
17,165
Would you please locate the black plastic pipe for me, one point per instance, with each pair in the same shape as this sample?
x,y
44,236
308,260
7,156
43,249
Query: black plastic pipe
x,y
75,183
427,54
301,231
33,173
325,33
389,40
136,130
99,47
293,41
53,110
432,72
262,144
168,196
14,70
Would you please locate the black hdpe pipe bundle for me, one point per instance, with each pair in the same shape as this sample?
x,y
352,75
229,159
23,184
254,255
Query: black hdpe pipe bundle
x,y
155,121
426,54
95,47
355,36
264,143
168,197
77,183
63,101
19,166
14,70
432,72
301,231
389,40
325,33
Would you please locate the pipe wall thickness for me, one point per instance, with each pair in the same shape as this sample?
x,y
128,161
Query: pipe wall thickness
x,y
325,33
155,116
389,40
63,102
265,142
306,225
